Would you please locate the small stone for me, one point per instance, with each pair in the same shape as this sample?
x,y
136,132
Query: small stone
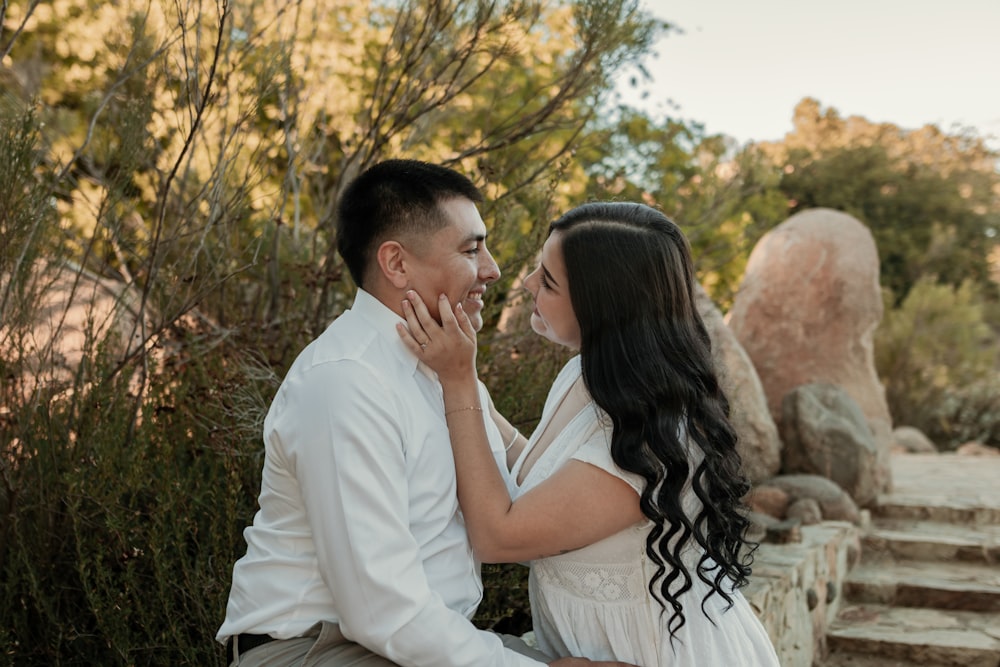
x,y
975,448
911,440
834,502
769,500
805,510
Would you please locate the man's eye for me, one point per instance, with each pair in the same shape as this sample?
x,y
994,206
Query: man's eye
x,y
473,250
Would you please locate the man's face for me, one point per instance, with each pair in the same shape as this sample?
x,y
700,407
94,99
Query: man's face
x,y
454,261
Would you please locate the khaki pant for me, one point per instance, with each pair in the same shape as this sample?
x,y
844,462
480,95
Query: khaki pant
x,y
329,648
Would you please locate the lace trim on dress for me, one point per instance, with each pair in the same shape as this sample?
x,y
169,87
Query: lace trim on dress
x,y
594,583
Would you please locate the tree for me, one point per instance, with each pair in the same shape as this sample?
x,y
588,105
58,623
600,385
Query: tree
x,y
190,154
931,200
724,200
938,359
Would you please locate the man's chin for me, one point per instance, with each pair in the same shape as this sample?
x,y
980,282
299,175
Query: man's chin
x,y
474,311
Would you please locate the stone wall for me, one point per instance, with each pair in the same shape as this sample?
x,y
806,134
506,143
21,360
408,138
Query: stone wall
x,y
796,588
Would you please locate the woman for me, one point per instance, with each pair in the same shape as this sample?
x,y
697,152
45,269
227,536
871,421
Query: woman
x,y
628,494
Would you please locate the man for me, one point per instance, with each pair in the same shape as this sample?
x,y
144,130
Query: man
x,y
358,554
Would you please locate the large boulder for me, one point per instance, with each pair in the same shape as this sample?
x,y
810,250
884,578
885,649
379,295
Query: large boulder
x,y
759,444
825,433
806,312
75,310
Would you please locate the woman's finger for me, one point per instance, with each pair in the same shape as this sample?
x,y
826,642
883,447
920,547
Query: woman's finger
x,y
412,334
455,321
465,323
449,321
408,340
414,324
428,324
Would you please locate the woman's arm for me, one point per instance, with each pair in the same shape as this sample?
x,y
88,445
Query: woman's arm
x,y
578,505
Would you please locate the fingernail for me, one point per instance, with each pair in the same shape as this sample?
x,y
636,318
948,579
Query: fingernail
x,y
410,293
459,306
406,304
443,297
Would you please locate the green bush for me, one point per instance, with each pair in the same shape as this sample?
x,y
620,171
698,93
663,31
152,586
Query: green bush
x,y
122,521
939,360
121,530
971,413
127,475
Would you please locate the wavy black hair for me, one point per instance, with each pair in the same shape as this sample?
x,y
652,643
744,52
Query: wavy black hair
x,y
647,362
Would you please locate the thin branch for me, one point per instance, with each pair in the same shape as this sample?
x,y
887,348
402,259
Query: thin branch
x,y
6,49
122,80
201,105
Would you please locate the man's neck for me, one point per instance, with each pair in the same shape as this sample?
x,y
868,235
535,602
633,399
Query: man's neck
x,y
388,295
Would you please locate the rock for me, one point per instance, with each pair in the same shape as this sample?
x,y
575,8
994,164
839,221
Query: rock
x,y
769,500
76,310
911,440
834,503
764,528
977,449
806,312
825,433
759,445
805,510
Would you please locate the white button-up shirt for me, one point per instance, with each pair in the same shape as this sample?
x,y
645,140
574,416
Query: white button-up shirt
x,y
359,521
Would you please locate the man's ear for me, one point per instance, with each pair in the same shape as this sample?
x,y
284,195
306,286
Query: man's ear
x,y
392,262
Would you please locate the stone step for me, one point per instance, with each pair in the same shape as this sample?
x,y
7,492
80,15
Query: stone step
x,y
925,636
931,540
972,511
951,585
839,659
943,487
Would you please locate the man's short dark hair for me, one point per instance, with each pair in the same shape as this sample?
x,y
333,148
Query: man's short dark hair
x,y
391,198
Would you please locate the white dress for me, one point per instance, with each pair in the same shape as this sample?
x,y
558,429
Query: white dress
x,y
594,602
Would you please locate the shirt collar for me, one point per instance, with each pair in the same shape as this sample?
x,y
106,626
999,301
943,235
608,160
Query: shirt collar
x,y
384,320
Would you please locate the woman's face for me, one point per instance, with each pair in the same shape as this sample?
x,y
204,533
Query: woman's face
x,y
553,316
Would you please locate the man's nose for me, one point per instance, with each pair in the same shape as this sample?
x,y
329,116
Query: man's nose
x,y
488,270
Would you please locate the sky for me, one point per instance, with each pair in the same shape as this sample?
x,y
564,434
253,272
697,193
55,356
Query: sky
x,y
741,66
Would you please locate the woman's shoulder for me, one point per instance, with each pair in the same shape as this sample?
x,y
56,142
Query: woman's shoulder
x,y
568,374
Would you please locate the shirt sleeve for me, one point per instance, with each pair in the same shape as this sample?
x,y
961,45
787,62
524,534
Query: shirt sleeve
x,y
348,458
597,452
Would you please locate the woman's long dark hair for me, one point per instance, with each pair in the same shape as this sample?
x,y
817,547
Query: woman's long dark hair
x,y
647,362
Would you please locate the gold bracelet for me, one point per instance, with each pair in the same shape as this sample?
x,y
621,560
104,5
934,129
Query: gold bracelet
x,y
468,407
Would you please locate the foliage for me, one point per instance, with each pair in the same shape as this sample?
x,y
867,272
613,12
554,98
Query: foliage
x,y
932,200
116,554
724,201
24,213
938,359
170,174
115,501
